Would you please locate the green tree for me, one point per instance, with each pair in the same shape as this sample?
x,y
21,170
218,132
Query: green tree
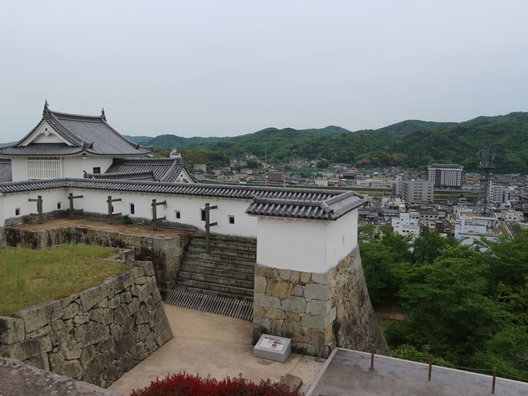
x,y
449,312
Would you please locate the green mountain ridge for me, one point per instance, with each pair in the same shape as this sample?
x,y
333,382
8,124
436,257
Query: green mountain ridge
x,y
410,143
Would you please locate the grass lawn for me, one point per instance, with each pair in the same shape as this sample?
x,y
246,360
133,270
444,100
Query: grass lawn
x,y
30,276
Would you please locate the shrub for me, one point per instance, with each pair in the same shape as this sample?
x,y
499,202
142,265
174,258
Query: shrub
x,y
126,219
183,384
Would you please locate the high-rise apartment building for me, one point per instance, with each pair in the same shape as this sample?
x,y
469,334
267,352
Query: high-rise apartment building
x,y
445,175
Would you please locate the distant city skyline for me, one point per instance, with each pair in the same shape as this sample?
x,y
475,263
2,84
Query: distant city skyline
x,y
232,67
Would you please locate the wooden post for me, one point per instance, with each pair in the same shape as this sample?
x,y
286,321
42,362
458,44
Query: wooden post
x,y
155,213
38,200
372,359
71,197
208,226
430,367
493,383
109,201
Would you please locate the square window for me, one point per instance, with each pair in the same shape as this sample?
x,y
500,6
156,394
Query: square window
x,y
132,209
178,215
231,219
96,170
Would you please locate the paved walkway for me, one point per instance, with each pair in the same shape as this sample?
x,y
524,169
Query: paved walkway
x,y
206,344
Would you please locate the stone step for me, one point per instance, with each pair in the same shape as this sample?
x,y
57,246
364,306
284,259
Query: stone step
x,y
224,245
225,238
246,255
220,280
217,258
222,273
189,262
215,288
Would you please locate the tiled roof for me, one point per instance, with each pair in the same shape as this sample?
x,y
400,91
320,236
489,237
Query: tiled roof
x,y
43,149
267,201
87,134
5,170
329,208
146,175
159,168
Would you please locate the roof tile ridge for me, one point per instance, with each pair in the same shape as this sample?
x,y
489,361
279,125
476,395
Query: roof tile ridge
x,y
172,169
62,130
286,201
76,116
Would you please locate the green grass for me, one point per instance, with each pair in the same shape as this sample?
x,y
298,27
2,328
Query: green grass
x,y
30,276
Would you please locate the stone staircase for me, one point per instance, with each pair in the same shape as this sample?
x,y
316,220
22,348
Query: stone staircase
x,y
227,271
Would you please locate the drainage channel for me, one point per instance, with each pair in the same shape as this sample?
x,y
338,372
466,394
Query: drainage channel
x,y
226,306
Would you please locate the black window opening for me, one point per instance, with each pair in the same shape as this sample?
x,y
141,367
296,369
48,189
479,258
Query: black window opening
x,y
231,219
58,205
132,209
96,170
178,215
203,214
17,212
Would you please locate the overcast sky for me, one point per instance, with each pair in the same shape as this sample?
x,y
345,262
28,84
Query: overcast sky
x,y
219,68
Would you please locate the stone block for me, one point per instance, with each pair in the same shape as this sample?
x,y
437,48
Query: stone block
x,y
274,313
305,277
272,348
285,274
315,291
260,284
298,291
71,347
318,307
320,278
263,300
314,322
22,350
12,330
40,315
72,369
93,296
70,310
278,288
294,304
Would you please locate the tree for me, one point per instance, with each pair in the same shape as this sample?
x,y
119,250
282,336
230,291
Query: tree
x,y
382,252
449,312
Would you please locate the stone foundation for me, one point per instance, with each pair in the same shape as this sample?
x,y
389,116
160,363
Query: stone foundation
x,y
317,311
95,335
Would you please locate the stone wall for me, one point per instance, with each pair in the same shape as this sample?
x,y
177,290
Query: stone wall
x,y
95,335
317,311
164,252
18,378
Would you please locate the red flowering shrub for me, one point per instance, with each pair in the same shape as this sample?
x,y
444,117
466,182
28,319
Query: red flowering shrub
x,y
183,384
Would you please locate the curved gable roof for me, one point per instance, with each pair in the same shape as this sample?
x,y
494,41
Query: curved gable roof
x,y
87,134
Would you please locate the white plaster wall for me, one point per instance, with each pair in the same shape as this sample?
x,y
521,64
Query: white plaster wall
x,y
188,206
292,244
74,166
18,169
50,198
305,245
341,237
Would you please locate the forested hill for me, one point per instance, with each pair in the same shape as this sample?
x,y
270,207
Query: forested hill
x,y
410,143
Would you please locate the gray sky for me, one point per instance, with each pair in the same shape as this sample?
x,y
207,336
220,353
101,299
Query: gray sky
x,y
218,68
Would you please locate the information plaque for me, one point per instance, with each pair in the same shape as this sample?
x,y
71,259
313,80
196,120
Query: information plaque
x,y
272,348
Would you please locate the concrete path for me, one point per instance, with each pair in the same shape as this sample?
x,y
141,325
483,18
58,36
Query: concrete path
x,y
206,344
